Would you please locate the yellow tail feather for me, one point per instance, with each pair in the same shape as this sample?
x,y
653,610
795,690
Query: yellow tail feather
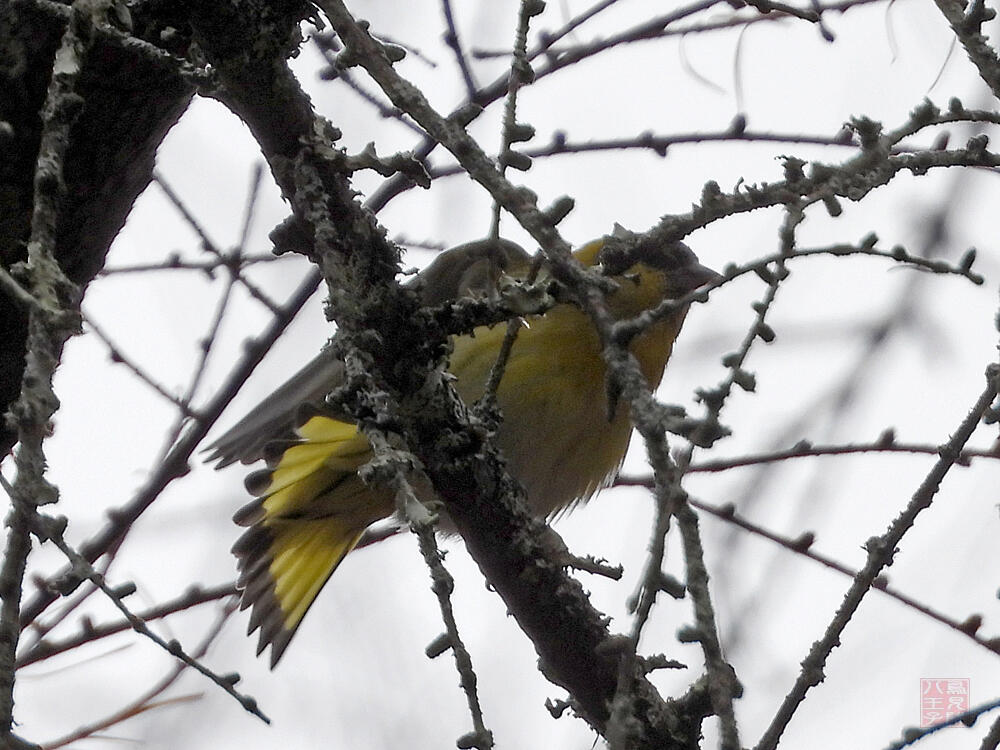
x,y
311,510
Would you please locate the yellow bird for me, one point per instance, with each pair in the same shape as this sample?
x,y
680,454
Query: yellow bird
x,y
557,435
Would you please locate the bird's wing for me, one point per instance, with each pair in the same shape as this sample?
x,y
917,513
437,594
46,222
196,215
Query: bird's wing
x,y
470,270
461,271
274,418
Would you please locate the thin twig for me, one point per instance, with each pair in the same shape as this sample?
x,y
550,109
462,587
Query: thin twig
x,y
807,450
174,263
146,701
183,405
452,40
51,530
196,595
520,75
14,291
912,736
722,683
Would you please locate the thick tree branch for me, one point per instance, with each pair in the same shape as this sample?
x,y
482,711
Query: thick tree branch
x,y
133,97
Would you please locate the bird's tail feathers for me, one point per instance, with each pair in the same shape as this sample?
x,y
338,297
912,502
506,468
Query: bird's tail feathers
x,y
310,511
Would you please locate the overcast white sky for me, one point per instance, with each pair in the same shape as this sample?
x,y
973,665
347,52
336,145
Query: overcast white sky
x,y
356,676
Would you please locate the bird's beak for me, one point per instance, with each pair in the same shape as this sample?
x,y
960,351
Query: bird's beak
x,y
689,277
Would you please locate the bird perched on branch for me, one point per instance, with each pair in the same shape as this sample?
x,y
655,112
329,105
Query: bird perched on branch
x,y
562,437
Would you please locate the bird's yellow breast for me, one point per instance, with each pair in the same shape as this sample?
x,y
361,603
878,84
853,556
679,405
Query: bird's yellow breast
x,y
557,435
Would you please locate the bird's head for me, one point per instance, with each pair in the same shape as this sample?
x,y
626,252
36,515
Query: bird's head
x,y
645,271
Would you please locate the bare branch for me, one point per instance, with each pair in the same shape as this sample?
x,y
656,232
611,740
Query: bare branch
x,y
880,553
